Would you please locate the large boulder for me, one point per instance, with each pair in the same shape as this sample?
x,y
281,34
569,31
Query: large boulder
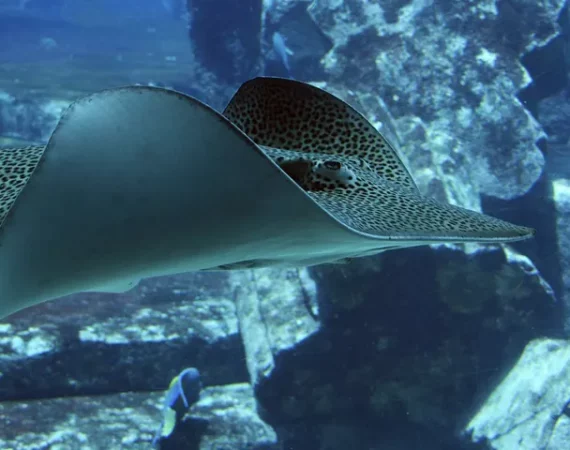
x,y
561,196
529,409
224,417
225,35
449,75
407,339
108,343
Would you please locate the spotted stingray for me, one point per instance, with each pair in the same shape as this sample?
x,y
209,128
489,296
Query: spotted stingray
x,y
138,181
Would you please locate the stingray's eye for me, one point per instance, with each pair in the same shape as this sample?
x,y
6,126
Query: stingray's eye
x,y
332,165
334,171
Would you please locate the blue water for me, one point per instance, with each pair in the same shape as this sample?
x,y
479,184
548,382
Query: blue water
x,y
401,350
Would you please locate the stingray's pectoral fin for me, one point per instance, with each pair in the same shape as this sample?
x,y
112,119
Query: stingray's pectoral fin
x,y
262,103
115,194
401,218
351,170
449,223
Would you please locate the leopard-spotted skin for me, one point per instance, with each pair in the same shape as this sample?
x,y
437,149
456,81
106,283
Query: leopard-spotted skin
x,y
373,205
291,115
16,168
295,123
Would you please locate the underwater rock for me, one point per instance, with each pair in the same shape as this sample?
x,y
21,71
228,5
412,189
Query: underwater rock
x,y
225,417
561,196
276,310
230,419
386,350
105,343
529,408
225,36
554,115
275,10
116,421
289,22
504,279
450,75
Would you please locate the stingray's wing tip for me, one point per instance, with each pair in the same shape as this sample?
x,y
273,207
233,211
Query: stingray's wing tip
x,y
524,233
512,233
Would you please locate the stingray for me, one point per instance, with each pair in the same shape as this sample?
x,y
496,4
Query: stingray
x,y
139,181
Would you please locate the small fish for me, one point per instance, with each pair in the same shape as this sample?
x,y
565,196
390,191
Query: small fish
x,y
281,49
183,392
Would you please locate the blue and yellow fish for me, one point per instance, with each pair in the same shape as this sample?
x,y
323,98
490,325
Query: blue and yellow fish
x,y
183,392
